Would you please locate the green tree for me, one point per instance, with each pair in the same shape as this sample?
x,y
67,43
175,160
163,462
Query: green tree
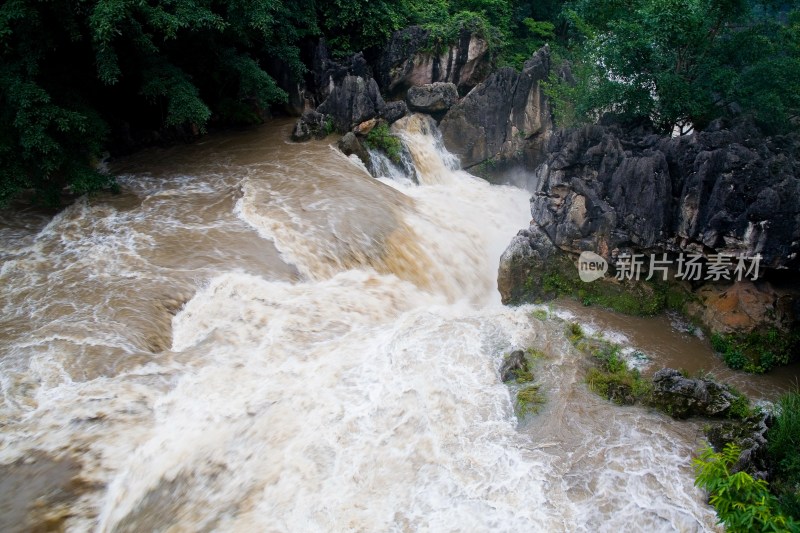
x,y
680,62
68,69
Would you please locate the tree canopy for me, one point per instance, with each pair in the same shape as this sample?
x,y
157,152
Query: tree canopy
x,y
682,62
73,74
77,75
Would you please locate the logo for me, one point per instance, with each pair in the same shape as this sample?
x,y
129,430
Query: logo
x,y
591,266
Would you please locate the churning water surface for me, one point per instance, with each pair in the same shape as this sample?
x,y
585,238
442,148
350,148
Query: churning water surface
x,y
259,336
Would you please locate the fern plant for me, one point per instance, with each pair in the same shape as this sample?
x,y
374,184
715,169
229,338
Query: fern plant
x,y
743,504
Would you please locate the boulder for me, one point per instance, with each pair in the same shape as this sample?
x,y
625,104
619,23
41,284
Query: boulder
x,y
433,98
365,127
682,397
529,253
407,62
350,144
394,111
352,100
514,366
506,119
310,125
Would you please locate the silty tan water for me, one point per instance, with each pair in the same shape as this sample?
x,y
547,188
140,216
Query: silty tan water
x,y
259,336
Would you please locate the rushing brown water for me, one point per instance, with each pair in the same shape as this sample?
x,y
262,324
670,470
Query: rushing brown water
x,y
259,336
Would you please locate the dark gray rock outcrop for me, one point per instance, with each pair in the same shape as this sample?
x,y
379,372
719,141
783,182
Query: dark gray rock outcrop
x,y
725,190
407,62
750,435
310,125
720,190
506,119
433,98
352,101
682,397
347,92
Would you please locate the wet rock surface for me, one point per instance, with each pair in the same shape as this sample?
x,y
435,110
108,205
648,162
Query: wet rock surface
x,y
750,435
683,397
514,366
407,61
434,98
505,120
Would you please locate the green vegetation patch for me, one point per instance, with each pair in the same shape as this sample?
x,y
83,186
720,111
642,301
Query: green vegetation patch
x,y
783,447
756,352
529,396
381,139
638,298
540,314
530,400
612,379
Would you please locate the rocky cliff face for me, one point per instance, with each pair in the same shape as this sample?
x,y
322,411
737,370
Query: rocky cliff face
x,y
504,121
726,190
407,62
723,190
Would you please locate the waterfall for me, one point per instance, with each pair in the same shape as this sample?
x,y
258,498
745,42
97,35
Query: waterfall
x,y
328,356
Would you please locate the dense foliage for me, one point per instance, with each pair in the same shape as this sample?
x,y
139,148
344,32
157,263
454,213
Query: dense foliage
x,y
743,504
78,77
783,440
682,63
756,352
72,71
746,504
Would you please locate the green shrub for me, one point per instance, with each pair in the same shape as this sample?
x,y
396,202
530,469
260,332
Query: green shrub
x,y
540,314
783,445
381,139
755,352
740,407
742,503
623,387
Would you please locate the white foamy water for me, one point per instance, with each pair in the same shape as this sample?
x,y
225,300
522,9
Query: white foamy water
x,y
292,345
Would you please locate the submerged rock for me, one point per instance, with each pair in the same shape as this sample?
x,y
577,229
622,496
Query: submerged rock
x,y
310,125
350,144
514,366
